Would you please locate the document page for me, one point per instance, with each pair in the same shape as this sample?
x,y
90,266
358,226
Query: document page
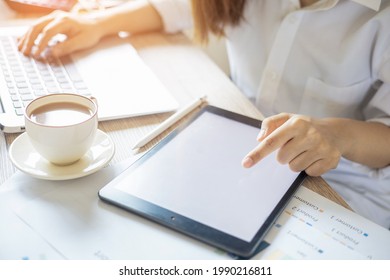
x,y
313,227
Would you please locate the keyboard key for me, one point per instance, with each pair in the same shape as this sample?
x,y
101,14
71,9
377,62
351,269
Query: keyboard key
x,y
23,91
37,87
35,81
19,79
65,85
62,79
19,111
51,84
27,97
53,90
17,104
22,85
39,92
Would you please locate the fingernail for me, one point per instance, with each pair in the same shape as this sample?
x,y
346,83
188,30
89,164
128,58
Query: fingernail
x,y
247,162
261,134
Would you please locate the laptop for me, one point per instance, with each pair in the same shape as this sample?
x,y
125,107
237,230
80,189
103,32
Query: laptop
x,y
112,72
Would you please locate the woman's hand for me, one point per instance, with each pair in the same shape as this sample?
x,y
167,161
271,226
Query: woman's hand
x,y
85,30
304,143
81,32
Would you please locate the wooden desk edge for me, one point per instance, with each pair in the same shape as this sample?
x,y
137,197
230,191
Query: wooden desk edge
x,y
320,186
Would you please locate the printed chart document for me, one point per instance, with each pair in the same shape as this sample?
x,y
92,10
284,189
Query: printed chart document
x,y
313,227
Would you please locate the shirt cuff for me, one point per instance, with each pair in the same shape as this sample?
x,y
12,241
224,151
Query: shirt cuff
x,y
176,14
384,120
377,173
380,173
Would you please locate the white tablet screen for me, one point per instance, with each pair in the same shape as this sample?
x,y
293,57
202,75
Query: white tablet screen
x,y
198,174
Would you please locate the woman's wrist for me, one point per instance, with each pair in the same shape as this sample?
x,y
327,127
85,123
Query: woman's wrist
x,y
136,17
103,23
360,141
335,128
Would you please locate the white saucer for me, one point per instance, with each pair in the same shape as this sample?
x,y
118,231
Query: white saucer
x,y
26,159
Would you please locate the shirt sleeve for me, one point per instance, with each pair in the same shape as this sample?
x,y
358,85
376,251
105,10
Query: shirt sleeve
x,y
378,110
176,14
378,107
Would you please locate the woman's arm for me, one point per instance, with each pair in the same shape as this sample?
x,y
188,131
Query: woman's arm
x,y
316,145
85,30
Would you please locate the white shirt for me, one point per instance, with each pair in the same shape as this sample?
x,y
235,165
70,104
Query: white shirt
x,y
330,59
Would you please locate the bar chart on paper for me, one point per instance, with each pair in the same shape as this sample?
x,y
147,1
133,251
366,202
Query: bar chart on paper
x,y
312,227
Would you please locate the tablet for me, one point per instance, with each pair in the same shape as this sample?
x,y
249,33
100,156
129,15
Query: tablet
x,y
193,182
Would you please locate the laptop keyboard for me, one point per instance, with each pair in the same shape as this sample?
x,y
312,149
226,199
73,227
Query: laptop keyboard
x,y
27,78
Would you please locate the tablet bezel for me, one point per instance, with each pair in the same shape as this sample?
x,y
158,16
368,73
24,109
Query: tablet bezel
x,y
183,224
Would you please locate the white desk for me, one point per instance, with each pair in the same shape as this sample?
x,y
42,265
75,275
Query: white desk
x,y
187,72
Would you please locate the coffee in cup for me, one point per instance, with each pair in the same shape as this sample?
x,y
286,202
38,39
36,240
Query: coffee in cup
x,y
61,127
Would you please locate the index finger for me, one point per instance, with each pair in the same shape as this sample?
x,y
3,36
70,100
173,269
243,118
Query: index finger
x,y
27,41
271,143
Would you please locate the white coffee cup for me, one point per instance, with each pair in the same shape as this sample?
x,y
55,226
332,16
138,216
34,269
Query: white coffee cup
x,y
61,127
